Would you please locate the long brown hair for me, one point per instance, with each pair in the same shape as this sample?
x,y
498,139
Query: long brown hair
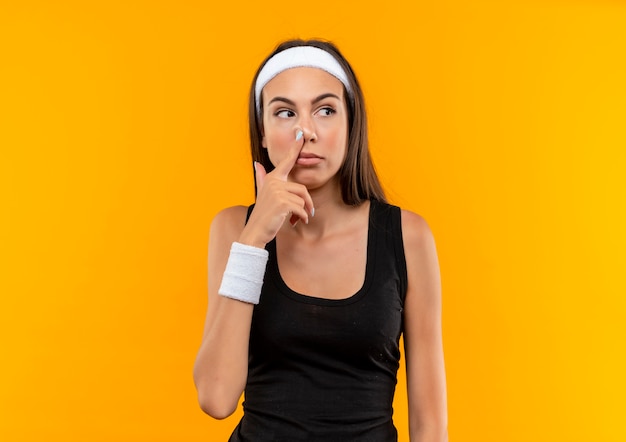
x,y
357,176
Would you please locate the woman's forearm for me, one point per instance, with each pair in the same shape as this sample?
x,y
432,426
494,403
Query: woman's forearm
x,y
221,366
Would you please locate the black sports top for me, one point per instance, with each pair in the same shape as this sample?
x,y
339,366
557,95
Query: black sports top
x,y
325,369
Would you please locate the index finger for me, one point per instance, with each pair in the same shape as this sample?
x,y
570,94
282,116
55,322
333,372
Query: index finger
x,y
284,167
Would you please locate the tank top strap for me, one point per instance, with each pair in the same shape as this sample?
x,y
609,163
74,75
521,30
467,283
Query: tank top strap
x,y
250,208
387,221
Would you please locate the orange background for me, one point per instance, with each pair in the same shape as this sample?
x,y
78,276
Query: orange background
x,y
123,131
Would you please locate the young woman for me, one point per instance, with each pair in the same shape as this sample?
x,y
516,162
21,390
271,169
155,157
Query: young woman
x,y
311,287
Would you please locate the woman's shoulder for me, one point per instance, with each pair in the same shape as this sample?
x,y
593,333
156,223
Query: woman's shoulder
x,y
230,220
415,229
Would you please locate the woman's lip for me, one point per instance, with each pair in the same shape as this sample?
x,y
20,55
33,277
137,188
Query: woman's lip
x,y
308,160
307,155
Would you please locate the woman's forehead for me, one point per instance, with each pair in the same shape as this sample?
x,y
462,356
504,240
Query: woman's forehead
x,y
302,81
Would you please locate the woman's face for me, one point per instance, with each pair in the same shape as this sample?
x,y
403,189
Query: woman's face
x,y
311,100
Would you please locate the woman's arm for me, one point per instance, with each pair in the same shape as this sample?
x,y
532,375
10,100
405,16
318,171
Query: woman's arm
x,y
221,366
426,381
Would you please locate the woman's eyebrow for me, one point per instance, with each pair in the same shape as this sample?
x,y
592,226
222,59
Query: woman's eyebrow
x,y
315,100
326,95
283,99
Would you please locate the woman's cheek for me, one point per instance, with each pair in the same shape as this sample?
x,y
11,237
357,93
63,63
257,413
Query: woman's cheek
x,y
277,146
338,137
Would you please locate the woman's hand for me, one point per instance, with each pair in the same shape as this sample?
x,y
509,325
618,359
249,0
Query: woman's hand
x,y
277,199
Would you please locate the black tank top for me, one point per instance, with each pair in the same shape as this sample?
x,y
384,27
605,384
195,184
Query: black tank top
x,y
323,369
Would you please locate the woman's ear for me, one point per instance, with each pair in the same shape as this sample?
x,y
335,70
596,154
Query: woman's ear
x,y
263,142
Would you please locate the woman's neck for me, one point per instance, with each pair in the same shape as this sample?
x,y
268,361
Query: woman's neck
x,y
332,215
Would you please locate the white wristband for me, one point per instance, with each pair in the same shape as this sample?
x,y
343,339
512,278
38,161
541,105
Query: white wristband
x,y
243,277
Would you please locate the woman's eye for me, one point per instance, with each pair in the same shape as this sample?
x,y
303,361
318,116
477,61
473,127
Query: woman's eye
x,y
327,111
285,113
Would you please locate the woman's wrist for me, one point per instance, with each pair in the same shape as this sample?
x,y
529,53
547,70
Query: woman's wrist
x,y
244,273
250,239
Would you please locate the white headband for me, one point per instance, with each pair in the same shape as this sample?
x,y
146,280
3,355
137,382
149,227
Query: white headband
x,y
296,57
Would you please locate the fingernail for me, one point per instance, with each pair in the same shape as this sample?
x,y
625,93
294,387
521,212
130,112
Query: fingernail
x,y
299,135
312,212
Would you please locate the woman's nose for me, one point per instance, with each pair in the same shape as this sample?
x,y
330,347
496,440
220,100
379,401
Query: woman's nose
x,y
308,129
